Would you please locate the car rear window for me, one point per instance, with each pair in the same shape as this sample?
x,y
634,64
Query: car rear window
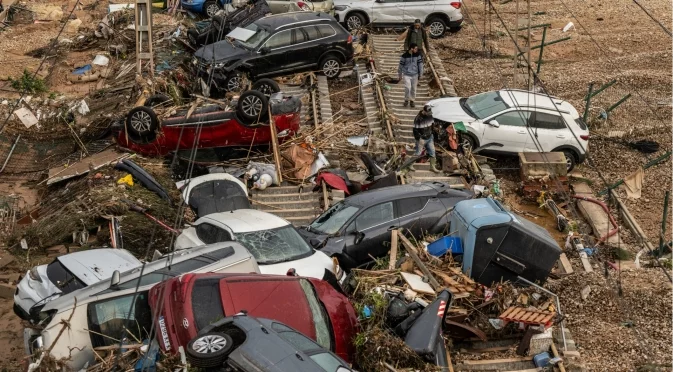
x,y
63,278
207,302
322,325
580,122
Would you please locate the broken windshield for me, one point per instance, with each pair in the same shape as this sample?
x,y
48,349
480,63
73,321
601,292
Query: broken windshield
x,y
255,40
276,245
486,104
334,218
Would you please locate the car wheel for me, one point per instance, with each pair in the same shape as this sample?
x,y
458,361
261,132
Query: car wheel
x,y
331,67
468,142
355,21
141,122
570,160
211,8
233,82
266,86
209,350
252,107
156,100
436,27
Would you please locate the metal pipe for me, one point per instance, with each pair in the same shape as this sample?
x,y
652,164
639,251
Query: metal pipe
x,y
663,224
558,307
604,87
539,59
535,26
588,105
618,103
11,151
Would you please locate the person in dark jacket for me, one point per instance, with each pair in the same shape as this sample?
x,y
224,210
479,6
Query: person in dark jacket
x,y
423,135
415,34
409,71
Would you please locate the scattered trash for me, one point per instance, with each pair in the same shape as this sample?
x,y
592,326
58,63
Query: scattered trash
x,y
126,180
100,60
567,27
26,117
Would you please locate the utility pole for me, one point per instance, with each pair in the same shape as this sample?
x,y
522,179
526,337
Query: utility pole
x,y
529,68
516,41
143,26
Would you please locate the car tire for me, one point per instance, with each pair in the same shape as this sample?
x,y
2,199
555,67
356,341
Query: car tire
x,y
210,8
252,107
436,27
354,21
330,66
141,123
571,159
209,350
266,86
156,99
233,82
468,140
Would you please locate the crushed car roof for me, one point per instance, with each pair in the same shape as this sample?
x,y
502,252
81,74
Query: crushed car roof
x,y
389,193
246,220
286,19
93,265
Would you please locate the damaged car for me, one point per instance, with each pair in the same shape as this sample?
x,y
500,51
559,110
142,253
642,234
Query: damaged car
x,y
359,227
184,306
517,121
245,343
273,46
223,22
66,274
113,310
275,243
213,193
210,126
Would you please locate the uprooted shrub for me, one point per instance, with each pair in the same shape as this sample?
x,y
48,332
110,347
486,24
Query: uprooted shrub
x,y
28,83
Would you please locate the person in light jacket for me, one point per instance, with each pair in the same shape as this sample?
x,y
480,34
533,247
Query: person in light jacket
x,y
410,70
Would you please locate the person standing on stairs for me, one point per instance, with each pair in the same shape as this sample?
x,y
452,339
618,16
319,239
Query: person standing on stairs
x,y
410,70
414,35
424,138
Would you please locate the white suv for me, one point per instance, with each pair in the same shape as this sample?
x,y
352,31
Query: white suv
x,y
437,15
518,120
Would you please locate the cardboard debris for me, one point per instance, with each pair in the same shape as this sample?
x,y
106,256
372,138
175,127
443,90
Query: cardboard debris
x,y
26,117
83,166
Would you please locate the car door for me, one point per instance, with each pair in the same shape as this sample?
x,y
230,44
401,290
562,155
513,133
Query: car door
x,y
417,9
548,131
306,50
370,231
410,211
387,11
511,131
273,55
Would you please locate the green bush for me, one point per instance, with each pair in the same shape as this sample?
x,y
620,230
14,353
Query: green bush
x,y
28,83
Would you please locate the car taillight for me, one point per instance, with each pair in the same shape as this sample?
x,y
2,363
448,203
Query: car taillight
x,y
585,137
456,5
350,39
184,284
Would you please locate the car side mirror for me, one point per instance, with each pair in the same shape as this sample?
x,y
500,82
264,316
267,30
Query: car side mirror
x,y
264,50
114,281
494,123
358,237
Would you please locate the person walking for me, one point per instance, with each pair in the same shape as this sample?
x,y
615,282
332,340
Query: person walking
x,y
423,135
414,35
410,70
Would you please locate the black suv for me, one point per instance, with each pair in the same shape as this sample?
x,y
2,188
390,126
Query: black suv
x,y
275,45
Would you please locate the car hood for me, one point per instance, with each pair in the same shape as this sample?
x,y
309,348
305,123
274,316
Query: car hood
x,y
313,266
449,110
222,50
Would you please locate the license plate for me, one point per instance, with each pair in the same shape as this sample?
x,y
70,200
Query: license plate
x,y
164,333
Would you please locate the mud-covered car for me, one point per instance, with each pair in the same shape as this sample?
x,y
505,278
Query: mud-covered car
x,y
246,344
209,126
222,23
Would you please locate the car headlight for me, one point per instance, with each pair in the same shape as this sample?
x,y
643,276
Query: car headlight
x,y
34,275
220,65
340,8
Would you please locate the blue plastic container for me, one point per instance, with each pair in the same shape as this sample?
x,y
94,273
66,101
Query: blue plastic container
x,y
445,244
542,359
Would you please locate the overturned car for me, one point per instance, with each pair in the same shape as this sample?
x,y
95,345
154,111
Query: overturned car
x,y
223,22
209,126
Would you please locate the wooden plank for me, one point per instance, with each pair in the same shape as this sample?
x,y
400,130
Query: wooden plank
x,y
507,312
585,262
5,259
417,284
274,145
393,249
565,264
83,166
496,361
414,255
556,355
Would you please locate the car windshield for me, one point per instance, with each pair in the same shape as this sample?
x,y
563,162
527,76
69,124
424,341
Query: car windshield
x,y
255,40
275,245
334,218
485,104
62,278
320,319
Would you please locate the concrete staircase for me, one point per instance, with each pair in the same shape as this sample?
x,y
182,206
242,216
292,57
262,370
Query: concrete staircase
x,y
298,206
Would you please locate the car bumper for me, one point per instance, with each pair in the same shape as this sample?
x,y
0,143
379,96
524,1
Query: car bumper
x,y
581,157
456,23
